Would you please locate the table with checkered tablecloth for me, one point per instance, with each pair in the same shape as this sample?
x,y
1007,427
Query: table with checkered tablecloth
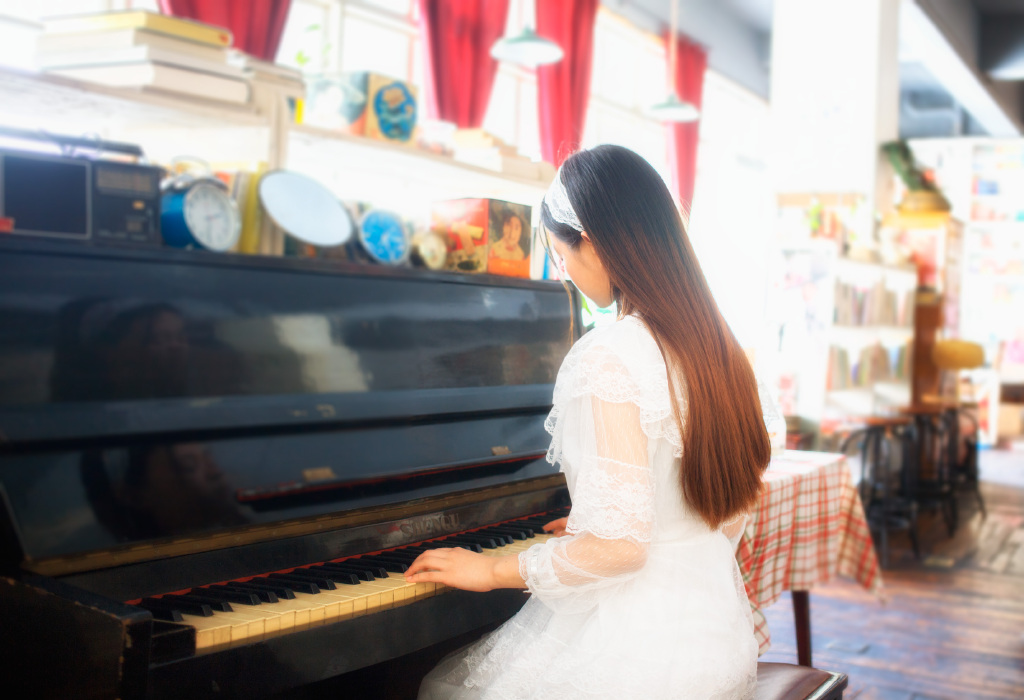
x,y
809,526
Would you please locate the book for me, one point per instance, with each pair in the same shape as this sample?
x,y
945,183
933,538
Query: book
x,y
263,68
139,19
47,60
493,159
127,38
163,77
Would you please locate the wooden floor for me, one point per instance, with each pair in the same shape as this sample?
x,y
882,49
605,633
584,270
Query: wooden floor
x,y
953,626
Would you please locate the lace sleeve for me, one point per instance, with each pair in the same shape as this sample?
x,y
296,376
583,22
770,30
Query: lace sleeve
x,y
613,507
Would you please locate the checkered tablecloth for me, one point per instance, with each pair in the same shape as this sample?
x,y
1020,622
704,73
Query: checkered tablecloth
x,y
808,527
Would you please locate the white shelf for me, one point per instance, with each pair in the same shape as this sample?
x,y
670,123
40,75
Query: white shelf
x,y
166,125
888,336
875,270
396,176
40,100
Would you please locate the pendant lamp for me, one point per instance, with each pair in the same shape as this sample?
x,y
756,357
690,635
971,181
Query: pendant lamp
x,y
674,109
527,49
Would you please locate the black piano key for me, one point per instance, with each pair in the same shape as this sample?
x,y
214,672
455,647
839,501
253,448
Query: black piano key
x,y
214,603
325,583
487,541
295,585
519,533
180,606
344,577
169,615
471,546
538,525
362,572
387,562
262,584
481,542
392,565
403,555
375,569
243,597
264,596
500,537
303,584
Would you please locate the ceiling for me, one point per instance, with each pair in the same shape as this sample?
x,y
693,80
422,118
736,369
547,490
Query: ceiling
x,y
1000,7
928,106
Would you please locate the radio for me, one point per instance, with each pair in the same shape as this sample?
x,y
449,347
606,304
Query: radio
x,y
95,201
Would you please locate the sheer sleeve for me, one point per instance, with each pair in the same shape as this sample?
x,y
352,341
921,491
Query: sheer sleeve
x,y
604,451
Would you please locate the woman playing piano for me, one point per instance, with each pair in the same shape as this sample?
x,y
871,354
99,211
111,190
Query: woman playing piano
x,y
657,426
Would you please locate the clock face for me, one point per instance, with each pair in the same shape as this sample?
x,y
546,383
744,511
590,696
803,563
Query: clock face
x,y
383,235
211,216
432,249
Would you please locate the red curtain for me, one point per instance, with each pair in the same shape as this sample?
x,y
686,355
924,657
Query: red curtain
x,y
257,25
691,62
457,39
563,88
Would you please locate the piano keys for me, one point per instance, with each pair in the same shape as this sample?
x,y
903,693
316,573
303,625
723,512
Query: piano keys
x,y
213,467
283,602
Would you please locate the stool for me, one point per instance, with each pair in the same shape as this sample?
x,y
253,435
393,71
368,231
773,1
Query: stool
x,y
964,470
790,682
929,470
888,496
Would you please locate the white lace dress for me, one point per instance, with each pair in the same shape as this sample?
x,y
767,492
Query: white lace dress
x,y
642,599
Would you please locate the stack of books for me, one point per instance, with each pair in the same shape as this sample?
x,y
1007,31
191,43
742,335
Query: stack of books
x,y
485,150
135,48
284,80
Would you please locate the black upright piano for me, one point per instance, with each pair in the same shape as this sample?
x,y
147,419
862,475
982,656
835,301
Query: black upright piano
x,y
214,468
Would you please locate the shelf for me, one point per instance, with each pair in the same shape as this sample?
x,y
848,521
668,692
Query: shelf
x,y
863,335
909,272
40,100
396,176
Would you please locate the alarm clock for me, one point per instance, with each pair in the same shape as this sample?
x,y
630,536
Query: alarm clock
x,y
199,213
383,236
430,249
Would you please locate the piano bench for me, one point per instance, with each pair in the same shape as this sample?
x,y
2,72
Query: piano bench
x,y
791,682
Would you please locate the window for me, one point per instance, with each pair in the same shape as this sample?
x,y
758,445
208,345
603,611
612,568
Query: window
x,y
334,36
628,76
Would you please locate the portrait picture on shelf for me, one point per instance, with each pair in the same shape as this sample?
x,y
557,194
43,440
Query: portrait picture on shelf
x,y
510,239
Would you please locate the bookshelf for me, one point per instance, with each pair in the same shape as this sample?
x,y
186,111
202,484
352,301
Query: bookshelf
x,y
844,330
870,341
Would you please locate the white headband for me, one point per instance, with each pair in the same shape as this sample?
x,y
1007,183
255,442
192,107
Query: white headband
x,y
557,200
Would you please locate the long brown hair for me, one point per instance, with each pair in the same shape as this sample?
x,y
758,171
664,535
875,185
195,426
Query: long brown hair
x,y
639,236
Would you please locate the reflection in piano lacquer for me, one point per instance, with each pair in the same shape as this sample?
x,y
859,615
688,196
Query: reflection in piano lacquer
x,y
247,610
189,432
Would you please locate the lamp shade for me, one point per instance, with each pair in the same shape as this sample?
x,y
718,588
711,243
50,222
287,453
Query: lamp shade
x,y
957,354
526,49
674,110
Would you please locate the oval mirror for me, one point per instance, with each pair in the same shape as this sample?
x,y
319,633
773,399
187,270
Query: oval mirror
x,y
304,208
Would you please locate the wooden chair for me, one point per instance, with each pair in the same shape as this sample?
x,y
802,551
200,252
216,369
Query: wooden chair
x,y
885,491
791,682
930,467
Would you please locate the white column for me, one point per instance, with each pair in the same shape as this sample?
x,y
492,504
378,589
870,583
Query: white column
x,y
834,96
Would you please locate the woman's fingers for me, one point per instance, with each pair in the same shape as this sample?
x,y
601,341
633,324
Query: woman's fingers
x,y
431,559
457,568
557,527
